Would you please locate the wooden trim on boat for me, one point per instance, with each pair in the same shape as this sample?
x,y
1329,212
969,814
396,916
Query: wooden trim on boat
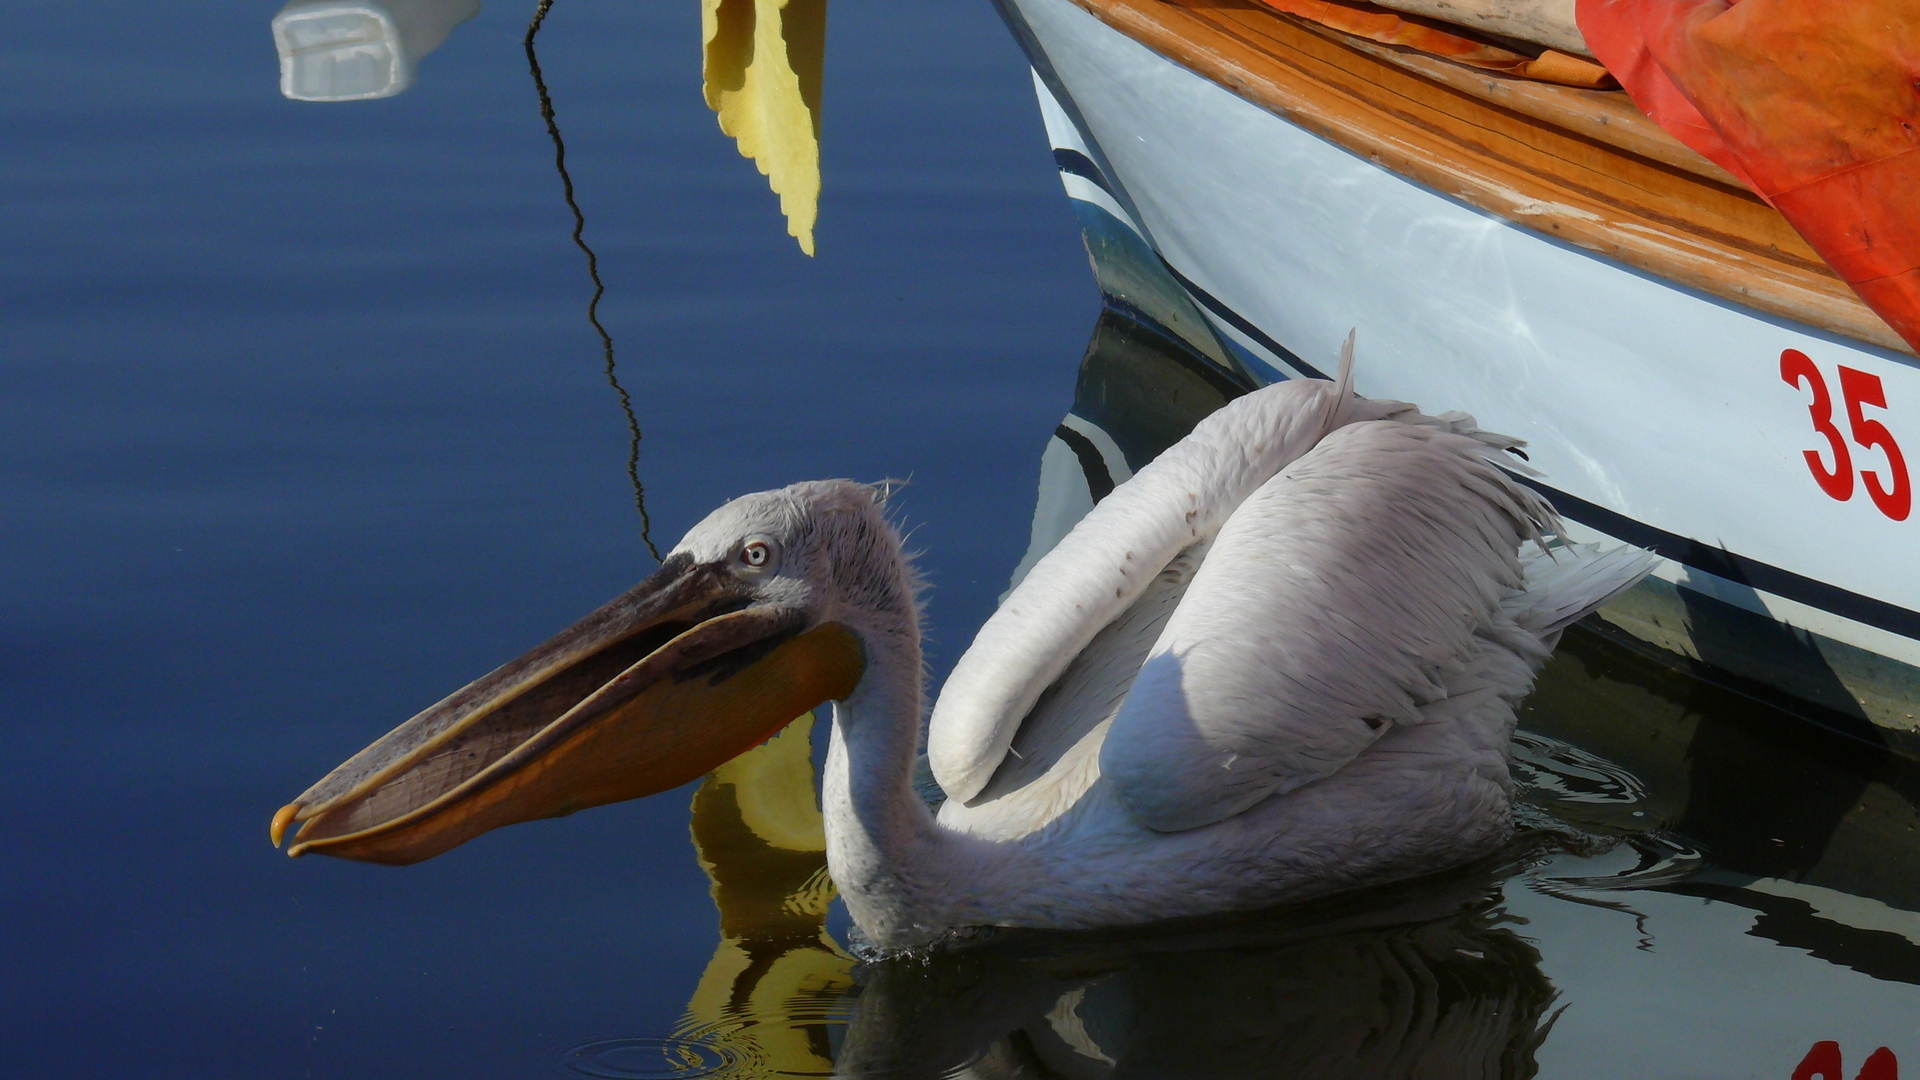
x,y
1582,166
1604,116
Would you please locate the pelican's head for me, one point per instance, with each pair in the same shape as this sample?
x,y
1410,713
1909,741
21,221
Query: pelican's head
x,y
757,616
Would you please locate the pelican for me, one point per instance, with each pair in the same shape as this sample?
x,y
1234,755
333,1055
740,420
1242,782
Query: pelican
x,y
1278,663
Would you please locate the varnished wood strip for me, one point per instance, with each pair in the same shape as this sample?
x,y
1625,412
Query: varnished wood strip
x,y
1522,143
1544,175
1604,116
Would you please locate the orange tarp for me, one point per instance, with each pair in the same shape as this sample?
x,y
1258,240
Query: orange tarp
x,y
1391,28
1814,104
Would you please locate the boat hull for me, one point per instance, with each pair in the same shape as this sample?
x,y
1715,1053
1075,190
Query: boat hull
x,y
1659,415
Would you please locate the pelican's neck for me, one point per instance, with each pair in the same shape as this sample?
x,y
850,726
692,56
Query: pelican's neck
x,y
882,842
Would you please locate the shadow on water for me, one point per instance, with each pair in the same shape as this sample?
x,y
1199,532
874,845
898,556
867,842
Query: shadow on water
x,y
593,272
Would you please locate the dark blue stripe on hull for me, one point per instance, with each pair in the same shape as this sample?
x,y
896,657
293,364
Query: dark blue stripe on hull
x,y
1687,551
1075,163
1739,569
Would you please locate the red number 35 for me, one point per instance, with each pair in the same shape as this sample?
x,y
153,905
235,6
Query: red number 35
x,y
1859,389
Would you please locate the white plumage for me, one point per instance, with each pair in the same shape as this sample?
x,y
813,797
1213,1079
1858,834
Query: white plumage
x,y
1280,661
1332,605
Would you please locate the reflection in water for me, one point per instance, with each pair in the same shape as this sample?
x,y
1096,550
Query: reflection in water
x,y
1675,835
593,272
770,993
1816,833
1420,982
352,50
648,1059
1459,975
1140,390
1412,980
763,65
349,50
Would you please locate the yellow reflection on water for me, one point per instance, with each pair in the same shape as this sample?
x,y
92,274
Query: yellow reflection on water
x,y
1414,977
770,990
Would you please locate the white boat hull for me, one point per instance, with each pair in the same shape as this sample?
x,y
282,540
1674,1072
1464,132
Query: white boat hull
x,y
1658,414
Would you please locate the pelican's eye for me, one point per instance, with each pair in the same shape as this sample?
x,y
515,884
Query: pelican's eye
x,y
756,553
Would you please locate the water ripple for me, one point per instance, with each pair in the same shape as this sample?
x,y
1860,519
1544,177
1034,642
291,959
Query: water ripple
x,y
1548,768
648,1059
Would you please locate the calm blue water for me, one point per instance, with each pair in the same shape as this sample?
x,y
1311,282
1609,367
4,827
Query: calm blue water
x,y
302,425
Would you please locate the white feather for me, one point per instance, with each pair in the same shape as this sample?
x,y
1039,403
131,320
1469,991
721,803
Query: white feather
x,y
1332,604
1564,583
1103,566
1280,661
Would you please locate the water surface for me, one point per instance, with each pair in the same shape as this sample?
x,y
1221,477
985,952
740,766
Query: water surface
x,y
303,424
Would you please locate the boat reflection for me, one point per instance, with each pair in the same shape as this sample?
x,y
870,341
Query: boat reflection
x,y
1673,831
354,50
1816,833
762,66
600,330
351,50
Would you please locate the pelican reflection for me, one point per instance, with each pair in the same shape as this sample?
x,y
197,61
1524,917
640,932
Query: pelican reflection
x,y
1422,979
1430,986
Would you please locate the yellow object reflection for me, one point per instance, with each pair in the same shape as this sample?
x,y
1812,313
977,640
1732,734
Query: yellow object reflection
x,y
762,72
1417,979
771,989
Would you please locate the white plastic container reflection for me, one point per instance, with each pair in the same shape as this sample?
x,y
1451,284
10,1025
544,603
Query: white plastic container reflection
x,y
351,50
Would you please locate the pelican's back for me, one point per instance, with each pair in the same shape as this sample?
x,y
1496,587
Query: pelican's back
x,y
1333,604
1307,570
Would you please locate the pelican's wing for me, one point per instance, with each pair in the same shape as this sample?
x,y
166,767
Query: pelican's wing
x,y
1104,565
1565,583
1332,604
1055,754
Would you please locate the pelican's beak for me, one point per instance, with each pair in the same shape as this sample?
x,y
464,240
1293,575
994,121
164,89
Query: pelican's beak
x,y
660,686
